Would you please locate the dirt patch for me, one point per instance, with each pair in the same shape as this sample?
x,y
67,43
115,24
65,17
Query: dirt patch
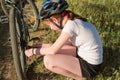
x,y
7,70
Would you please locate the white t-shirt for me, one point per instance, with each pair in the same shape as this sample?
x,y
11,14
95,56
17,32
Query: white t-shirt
x,y
86,38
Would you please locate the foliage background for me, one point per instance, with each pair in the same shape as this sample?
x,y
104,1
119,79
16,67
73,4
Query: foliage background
x,y
105,15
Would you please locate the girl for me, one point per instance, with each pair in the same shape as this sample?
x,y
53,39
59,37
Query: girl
x,y
78,52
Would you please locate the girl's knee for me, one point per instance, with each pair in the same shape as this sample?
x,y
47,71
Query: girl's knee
x,y
48,61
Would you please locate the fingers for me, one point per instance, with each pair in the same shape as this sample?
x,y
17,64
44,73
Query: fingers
x,y
29,52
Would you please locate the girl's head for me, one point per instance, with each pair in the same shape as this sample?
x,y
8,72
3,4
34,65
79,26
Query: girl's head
x,y
57,21
51,7
52,12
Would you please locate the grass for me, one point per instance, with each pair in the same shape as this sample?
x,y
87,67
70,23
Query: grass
x,y
105,15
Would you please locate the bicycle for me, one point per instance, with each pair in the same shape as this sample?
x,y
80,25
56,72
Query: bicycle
x,y
30,18
19,32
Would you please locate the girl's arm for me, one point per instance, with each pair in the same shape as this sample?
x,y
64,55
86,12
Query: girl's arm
x,y
68,42
41,45
49,48
62,39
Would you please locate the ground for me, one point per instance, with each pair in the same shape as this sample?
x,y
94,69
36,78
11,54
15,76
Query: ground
x,y
6,60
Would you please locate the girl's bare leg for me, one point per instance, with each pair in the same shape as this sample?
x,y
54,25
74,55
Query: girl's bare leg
x,y
64,62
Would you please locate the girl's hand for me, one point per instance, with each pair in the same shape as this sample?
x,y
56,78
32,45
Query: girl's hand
x,y
29,52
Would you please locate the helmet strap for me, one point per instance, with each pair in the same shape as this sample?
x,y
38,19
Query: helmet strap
x,y
61,21
59,26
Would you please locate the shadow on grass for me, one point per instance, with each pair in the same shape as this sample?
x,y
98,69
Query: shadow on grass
x,y
111,63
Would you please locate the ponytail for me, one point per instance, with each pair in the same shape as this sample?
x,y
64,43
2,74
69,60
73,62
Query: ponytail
x,y
73,16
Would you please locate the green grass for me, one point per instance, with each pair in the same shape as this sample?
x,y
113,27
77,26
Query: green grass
x,y
105,15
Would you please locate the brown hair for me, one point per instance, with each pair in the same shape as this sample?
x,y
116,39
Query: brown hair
x,y
73,16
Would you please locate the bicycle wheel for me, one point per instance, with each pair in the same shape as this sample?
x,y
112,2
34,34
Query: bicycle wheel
x,y
31,13
5,8
17,51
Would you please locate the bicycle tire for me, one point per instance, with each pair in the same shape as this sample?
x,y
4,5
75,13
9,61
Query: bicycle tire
x,y
14,44
33,26
4,8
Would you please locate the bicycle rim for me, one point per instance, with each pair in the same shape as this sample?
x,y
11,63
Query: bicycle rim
x,y
15,48
31,13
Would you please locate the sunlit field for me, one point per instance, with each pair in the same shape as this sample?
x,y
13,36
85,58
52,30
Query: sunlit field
x,y
105,15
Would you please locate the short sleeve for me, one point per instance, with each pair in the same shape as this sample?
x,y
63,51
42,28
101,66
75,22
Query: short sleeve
x,y
69,27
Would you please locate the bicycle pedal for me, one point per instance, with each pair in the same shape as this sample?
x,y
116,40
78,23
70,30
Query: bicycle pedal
x,y
3,19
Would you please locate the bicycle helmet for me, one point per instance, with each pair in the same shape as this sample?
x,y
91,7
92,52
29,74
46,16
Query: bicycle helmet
x,y
51,7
